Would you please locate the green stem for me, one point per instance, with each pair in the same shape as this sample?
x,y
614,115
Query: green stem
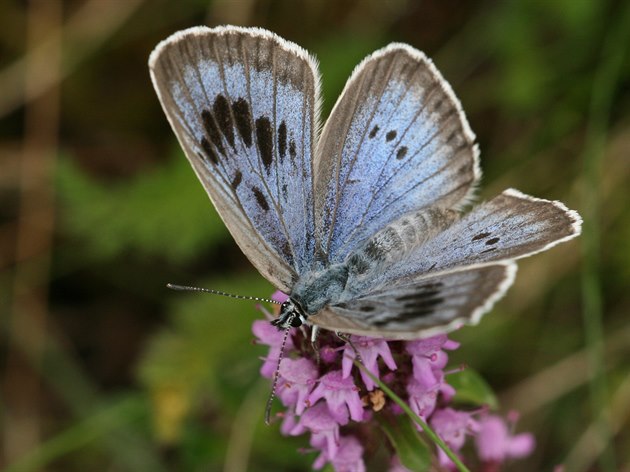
x,y
425,427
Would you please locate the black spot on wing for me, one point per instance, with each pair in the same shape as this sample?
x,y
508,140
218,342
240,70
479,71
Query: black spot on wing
x,y
208,152
373,132
492,241
401,153
438,104
403,316
391,135
451,136
424,304
223,116
428,300
212,131
419,296
238,177
286,252
292,150
260,199
243,117
417,312
480,236
431,286
282,140
264,140
422,292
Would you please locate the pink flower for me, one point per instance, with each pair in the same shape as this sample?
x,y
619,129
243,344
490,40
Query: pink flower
x,y
323,427
349,456
289,421
369,350
341,396
496,444
428,357
269,335
324,393
422,400
279,296
453,427
423,395
328,354
298,377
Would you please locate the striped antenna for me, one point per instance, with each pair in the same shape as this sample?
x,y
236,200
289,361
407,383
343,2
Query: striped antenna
x,y
186,288
276,376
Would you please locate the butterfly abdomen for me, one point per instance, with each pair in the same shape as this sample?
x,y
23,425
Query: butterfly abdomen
x,y
317,289
397,239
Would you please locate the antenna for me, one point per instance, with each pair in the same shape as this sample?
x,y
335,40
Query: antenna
x,y
186,288
276,375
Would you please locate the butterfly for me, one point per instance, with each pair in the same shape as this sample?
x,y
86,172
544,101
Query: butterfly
x,y
358,221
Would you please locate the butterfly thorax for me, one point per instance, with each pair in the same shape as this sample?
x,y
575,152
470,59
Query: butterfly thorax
x,y
312,292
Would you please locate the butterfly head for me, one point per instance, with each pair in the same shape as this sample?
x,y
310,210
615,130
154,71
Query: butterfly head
x,y
292,315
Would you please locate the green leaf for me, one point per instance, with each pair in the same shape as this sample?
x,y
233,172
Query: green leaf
x,y
472,388
411,449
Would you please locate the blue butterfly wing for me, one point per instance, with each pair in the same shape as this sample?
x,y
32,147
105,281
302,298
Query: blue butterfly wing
x,y
430,271
244,105
508,227
396,141
430,304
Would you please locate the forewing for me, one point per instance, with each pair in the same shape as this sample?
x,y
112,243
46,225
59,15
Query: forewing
x,y
510,226
429,305
243,104
396,141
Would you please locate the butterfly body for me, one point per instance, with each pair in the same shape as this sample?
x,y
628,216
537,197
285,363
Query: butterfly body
x,y
339,283
359,223
314,290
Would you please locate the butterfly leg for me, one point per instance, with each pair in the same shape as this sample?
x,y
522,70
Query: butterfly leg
x,y
346,338
314,333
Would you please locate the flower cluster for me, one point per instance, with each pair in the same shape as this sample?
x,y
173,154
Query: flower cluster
x,y
326,396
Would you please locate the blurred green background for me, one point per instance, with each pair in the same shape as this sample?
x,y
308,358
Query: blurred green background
x,y
103,368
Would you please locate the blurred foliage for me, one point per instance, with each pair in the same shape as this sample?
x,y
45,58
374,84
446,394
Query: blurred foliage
x,y
136,377
471,388
175,226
